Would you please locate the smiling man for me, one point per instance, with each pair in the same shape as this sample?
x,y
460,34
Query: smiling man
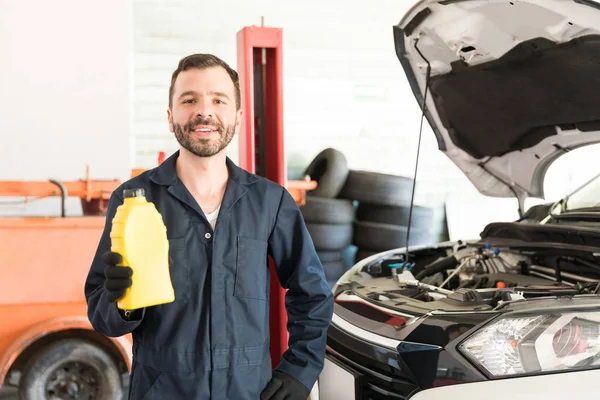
x,y
222,223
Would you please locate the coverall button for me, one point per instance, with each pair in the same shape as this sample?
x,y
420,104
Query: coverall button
x,y
207,235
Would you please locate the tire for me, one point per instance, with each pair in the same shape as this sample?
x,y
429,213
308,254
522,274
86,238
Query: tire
x,y
381,237
421,216
328,211
75,363
330,237
330,169
377,189
330,256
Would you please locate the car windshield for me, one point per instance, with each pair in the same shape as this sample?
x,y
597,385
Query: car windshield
x,y
587,196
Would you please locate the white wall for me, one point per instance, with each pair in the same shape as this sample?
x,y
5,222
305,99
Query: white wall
x,y
87,83
343,87
65,90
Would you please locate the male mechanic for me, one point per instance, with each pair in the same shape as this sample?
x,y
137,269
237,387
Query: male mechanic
x,y
222,222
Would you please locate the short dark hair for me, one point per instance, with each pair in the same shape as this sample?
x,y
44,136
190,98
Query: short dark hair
x,y
202,61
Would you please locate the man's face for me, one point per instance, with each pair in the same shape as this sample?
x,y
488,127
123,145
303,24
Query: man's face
x,y
203,115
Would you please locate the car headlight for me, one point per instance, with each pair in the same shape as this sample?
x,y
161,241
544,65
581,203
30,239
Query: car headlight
x,y
536,343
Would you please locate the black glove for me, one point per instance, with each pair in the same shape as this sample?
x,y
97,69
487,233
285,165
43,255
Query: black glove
x,y
284,387
118,279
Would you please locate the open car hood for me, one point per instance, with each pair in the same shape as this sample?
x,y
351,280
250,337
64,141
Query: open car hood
x,y
512,85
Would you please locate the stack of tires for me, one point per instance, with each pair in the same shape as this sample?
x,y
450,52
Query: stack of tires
x,y
368,210
329,220
382,215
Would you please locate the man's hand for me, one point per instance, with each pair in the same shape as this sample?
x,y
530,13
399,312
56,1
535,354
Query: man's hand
x,y
118,279
284,387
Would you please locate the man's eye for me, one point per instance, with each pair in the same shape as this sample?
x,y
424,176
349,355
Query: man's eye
x,y
218,101
188,101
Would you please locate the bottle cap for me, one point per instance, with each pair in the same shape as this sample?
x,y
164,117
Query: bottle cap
x,y
133,193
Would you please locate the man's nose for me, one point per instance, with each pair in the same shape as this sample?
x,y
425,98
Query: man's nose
x,y
204,109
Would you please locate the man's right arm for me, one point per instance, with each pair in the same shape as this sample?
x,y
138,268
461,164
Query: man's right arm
x,y
104,316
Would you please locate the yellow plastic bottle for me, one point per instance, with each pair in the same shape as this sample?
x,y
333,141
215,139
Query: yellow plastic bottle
x,y
139,234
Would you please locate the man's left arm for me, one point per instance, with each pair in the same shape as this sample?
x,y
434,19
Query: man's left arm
x,y
309,299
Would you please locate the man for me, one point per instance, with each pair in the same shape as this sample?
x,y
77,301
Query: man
x,y
222,222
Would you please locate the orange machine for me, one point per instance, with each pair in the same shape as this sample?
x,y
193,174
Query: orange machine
x,y
47,345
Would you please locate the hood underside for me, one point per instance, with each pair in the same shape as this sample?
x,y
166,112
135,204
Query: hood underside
x,y
512,85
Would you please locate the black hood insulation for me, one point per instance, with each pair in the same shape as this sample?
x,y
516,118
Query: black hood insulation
x,y
515,102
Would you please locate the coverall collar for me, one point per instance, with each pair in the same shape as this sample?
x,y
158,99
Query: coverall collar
x,y
165,174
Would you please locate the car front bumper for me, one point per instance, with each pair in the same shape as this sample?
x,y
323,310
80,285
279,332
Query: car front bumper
x,y
569,385
341,382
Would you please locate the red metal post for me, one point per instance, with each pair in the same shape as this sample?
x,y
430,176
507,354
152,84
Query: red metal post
x,y
261,149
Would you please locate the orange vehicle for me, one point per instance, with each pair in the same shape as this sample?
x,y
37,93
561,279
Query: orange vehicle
x,y
48,349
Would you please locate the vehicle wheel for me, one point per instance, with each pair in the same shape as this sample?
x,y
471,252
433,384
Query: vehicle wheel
x,y
327,211
71,369
381,237
421,216
329,236
377,189
330,169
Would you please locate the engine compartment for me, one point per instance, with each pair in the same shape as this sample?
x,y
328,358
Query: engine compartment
x,y
476,267
471,276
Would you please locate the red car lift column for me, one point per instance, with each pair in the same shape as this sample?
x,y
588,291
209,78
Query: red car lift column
x,y
261,137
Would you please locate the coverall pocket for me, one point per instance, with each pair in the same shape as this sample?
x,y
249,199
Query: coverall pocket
x,y
180,276
251,269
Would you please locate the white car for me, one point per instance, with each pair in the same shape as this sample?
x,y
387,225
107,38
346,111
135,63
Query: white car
x,y
508,87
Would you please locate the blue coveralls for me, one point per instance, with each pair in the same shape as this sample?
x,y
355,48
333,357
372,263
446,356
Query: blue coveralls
x,y
213,341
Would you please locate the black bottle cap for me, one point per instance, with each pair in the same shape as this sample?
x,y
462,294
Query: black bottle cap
x,y
133,193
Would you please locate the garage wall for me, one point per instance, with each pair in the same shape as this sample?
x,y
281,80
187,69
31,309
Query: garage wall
x,y
343,86
64,91
342,79
85,83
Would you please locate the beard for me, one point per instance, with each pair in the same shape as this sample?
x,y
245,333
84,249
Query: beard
x,y
203,147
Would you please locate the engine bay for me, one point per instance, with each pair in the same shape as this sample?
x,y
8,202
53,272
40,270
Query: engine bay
x,y
472,276
528,271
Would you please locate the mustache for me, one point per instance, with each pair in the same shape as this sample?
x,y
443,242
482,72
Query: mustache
x,y
203,121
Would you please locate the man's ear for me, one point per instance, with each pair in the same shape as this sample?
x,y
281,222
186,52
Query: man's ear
x,y
238,120
170,119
